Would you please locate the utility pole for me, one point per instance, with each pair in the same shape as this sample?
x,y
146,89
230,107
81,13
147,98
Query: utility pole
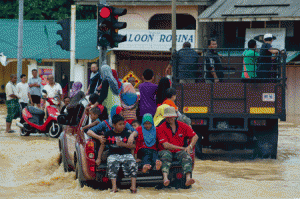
x,y
72,46
20,40
173,26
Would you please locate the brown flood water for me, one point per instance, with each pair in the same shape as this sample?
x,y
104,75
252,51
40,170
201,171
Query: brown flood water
x,y
29,169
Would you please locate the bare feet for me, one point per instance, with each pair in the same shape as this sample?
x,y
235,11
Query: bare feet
x,y
146,168
114,190
133,190
189,182
166,183
158,164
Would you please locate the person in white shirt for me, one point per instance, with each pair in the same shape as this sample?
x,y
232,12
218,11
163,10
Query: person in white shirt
x,y
24,93
12,102
53,89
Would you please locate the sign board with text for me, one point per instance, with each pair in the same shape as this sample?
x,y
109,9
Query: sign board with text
x,y
155,40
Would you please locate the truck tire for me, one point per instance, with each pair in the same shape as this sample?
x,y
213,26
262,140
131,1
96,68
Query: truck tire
x,y
198,148
79,173
266,141
64,160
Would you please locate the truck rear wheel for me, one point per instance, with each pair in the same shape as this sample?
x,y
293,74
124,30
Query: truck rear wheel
x,y
266,141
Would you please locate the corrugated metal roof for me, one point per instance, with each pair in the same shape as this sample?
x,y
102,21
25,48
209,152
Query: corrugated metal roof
x,y
147,2
36,44
261,10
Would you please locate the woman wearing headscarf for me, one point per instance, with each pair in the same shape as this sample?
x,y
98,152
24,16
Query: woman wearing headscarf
x,y
146,145
159,115
110,89
129,101
163,85
75,96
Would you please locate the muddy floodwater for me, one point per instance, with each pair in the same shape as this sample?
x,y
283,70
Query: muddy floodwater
x,y
29,169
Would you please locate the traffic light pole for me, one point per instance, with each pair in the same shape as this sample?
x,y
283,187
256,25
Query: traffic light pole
x,y
102,50
20,40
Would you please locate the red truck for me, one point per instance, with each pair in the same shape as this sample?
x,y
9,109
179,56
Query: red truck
x,y
79,152
236,113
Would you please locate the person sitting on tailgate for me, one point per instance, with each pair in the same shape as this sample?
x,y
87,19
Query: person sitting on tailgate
x,y
171,135
146,145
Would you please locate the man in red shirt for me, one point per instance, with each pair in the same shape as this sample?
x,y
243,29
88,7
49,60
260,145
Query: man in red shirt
x,y
171,135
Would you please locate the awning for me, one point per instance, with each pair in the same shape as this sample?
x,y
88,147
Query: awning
x,y
251,10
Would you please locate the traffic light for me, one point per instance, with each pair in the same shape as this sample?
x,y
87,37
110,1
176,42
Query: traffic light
x,y
116,26
108,26
65,34
104,26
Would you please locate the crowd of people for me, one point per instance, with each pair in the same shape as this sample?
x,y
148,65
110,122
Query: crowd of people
x,y
136,128
145,127
139,128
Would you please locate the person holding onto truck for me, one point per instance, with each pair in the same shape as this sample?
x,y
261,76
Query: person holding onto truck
x,y
119,153
213,65
250,60
265,58
147,94
171,135
188,60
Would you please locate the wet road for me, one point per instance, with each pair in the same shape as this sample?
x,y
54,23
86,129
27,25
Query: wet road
x,y
29,169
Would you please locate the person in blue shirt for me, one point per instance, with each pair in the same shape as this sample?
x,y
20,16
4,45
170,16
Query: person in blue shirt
x,y
98,131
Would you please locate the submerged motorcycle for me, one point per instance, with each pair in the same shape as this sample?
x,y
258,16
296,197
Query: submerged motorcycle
x,y
35,122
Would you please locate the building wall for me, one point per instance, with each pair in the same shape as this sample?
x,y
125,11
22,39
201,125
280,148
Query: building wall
x,y
6,71
293,95
137,17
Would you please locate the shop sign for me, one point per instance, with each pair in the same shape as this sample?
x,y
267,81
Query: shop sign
x,y
155,40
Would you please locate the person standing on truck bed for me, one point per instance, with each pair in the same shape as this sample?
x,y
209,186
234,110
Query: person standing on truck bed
x,y
265,58
250,59
171,136
213,65
187,59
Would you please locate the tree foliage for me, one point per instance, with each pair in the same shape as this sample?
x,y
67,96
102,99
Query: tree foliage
x,y
45,10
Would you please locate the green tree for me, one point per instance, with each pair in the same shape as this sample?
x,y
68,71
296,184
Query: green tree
x,y
45,10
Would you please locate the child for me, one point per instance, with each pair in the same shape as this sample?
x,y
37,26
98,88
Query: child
x,y
95,112
171,97
135,124
146,148
147,93
119,153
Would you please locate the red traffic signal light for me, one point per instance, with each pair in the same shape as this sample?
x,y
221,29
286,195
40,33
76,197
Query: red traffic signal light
x,y
105,12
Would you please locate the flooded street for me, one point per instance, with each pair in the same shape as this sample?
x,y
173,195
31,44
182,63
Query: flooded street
x,y
29,168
